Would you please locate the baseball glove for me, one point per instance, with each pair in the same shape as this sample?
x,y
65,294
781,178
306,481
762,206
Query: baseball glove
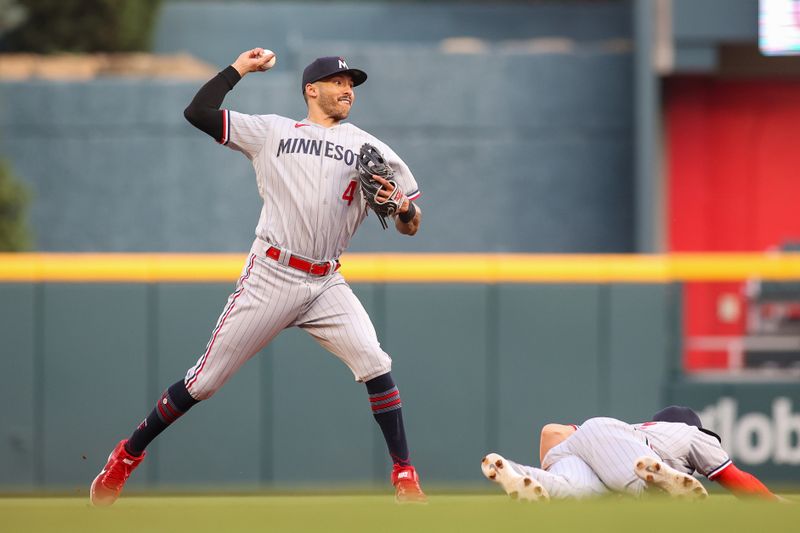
x,y
370,162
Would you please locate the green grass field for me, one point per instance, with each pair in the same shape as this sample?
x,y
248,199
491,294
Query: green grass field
x,y
379,513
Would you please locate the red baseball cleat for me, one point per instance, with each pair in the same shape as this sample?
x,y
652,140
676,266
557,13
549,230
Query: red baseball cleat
x,y
406,482
108,484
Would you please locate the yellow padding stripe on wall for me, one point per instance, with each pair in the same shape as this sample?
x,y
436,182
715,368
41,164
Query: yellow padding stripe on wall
x,y
421,268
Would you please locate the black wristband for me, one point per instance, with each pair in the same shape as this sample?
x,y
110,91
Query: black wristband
x,y
409,215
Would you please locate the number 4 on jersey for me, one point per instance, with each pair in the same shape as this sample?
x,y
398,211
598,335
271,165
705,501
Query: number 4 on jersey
x,y
349,192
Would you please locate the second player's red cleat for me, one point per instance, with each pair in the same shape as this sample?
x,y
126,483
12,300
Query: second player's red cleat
x,y
406,484
108,484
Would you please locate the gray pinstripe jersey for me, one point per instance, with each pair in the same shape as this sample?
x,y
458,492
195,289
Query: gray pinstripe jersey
x,y
685,448
307,179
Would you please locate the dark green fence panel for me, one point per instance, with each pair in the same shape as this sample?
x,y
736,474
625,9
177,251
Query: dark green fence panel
x,y
437,336
641,339
19,406
322,427
94,353
549,357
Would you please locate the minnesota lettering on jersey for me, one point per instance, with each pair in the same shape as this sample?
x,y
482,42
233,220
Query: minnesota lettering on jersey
x,y
296,145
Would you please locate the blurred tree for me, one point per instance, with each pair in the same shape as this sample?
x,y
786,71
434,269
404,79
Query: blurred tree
x,y
14,235
83,26
11,15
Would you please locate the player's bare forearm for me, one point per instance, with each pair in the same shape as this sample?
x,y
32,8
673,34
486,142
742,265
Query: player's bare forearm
x,y
412,226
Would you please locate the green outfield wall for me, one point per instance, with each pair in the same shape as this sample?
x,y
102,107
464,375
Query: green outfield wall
x,y
481,367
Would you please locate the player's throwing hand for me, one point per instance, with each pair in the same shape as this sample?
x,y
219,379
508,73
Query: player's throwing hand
x,y
255,60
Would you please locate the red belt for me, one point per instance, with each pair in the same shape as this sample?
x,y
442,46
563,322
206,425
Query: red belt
x,y
315,269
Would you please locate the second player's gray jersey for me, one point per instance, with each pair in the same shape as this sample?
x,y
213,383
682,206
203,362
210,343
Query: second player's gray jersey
x,y
306,176
685,448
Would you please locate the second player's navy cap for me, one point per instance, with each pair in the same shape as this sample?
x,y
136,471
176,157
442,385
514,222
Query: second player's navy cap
x,y
677,413
322,67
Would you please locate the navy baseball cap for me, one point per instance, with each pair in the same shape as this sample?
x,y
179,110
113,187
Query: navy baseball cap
x,y
677,413
322,67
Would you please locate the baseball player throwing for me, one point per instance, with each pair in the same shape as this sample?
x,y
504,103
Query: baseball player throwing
x,y
606,454
306,175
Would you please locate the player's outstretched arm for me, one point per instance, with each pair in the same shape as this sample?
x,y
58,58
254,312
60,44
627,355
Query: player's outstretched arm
x,y
743,484
203,111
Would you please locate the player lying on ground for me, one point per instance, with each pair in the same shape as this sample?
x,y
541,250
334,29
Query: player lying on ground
x,y
605,455
307,176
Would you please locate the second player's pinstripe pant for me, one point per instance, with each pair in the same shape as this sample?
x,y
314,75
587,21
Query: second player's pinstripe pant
x,y
569,477
610,448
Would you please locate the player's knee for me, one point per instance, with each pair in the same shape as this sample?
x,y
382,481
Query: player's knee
x,y
200,390
205,395
373,363
364,375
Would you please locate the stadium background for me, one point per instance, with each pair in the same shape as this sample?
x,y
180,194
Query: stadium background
x,y
610,128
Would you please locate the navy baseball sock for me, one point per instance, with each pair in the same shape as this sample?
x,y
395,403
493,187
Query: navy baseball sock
x,y
384,398
175,401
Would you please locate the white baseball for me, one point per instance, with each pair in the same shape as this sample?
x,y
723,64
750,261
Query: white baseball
x,y
271,63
